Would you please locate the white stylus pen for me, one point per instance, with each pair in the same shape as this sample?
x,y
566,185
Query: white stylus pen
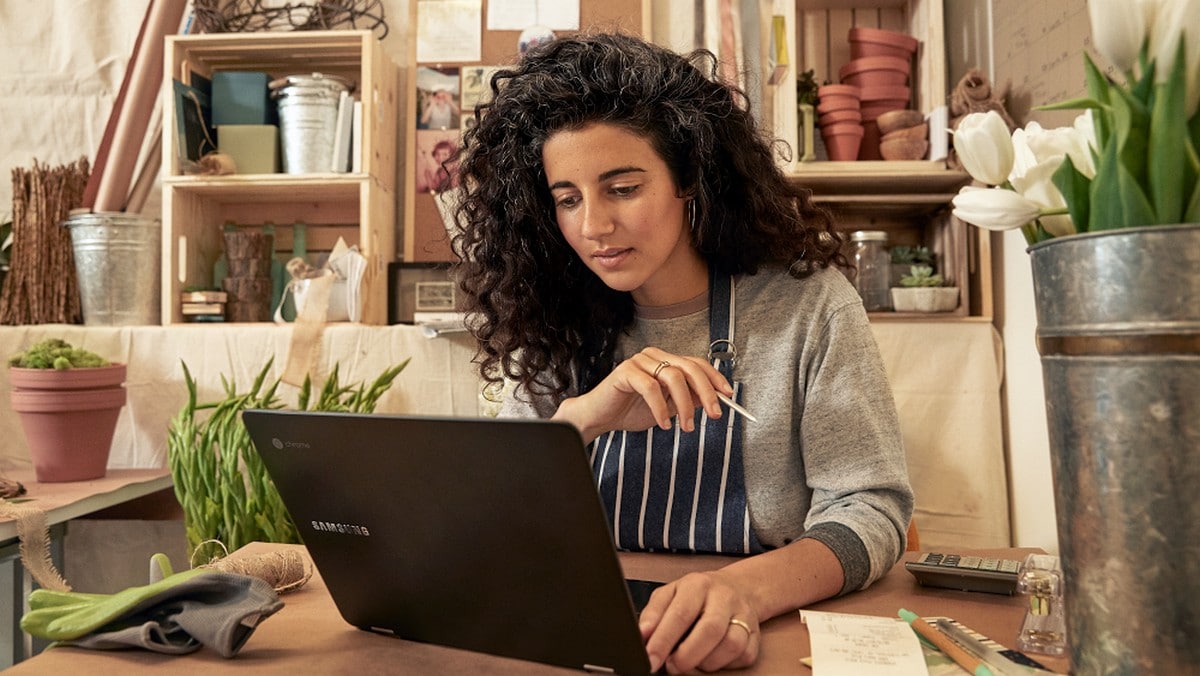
x,y
737,407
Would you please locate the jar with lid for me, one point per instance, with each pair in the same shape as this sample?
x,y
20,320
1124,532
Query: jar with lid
x,y
873,268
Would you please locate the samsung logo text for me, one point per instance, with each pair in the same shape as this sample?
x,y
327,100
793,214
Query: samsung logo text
x,y
343,528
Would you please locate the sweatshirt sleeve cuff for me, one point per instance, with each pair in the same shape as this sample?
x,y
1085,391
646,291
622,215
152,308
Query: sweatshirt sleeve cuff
x,y
850,551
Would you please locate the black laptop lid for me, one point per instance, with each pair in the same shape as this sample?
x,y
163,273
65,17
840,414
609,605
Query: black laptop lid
x,y
481,534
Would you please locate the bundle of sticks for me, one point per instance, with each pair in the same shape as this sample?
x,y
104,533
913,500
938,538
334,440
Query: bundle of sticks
x,y
42,286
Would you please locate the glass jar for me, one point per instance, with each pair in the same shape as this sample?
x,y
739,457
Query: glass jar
x,y
873,268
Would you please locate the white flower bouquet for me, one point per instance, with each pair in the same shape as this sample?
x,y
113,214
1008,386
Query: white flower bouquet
x,y
1131,159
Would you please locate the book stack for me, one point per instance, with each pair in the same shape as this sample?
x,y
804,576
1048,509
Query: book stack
x,y
203,306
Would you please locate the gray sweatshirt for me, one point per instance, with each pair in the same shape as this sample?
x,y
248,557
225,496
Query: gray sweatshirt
x,y
825,459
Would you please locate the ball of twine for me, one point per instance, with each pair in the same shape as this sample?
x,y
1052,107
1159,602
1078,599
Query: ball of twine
x,y
284,571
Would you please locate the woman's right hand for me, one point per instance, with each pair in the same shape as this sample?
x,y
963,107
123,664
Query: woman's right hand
x,y
648,389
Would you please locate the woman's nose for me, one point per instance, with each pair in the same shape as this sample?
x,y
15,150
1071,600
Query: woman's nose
x,y
597,222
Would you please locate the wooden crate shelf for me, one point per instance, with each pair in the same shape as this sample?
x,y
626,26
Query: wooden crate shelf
x,y
357,207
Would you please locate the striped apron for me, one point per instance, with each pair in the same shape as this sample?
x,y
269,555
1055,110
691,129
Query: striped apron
x,y
666,490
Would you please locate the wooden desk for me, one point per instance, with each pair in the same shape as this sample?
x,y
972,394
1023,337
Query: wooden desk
x,y
308,635
61,502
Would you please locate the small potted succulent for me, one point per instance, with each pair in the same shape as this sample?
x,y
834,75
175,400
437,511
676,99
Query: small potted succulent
x,y
924,291
68,400
904,257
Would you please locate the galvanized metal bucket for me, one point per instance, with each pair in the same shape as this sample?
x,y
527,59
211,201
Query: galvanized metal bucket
x,y
118,262
308,111
1119,334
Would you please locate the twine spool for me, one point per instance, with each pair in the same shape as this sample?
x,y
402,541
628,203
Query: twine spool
x,y
284,571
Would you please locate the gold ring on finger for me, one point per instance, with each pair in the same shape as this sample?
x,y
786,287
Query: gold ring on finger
x,y
735,622
661,365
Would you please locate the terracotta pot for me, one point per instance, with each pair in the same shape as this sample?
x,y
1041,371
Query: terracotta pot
x,y
869,150
898,95
69,418
837,97
878,109
866,42
840,116
842,140
873,71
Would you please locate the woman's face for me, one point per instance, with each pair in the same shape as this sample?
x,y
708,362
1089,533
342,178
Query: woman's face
x,y
618,207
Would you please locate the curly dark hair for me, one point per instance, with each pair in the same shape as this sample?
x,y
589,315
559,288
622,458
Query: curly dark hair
x,y
540,316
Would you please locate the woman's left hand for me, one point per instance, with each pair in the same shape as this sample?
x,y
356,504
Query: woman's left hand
x,y
700,622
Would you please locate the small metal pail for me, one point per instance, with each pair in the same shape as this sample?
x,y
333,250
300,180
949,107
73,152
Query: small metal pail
x,y
117,259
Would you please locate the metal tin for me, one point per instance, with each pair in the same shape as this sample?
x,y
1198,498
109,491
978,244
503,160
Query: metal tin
x,y
118,261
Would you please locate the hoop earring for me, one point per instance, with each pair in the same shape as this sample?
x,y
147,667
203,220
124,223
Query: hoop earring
x,y
691,215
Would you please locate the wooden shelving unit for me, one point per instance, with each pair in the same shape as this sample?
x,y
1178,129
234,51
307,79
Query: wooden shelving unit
x,y
360,207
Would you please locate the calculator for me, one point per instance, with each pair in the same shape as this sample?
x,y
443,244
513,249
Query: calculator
x,y
967,573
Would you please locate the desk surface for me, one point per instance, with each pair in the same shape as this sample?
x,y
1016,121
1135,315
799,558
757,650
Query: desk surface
x,y
308,636
72,499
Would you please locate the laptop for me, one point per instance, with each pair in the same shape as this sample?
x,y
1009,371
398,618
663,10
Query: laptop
x,y
481,534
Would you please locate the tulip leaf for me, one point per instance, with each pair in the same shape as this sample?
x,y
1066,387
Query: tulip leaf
x,y
1074,188
1098,90
1167,155
1082,103
1131,123
1117,201
1192,214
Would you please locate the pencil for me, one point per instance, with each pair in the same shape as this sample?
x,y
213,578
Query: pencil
x,y
961,657
734,405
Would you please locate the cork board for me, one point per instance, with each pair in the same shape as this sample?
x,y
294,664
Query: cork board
x,y
425,239
1038,49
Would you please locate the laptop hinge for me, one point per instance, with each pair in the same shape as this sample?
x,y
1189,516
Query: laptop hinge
x,y
597,669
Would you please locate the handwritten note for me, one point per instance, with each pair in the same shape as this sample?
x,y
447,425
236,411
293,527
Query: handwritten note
x,y
862,645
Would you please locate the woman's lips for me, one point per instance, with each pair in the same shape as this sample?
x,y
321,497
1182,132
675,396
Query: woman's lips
x,y
611,258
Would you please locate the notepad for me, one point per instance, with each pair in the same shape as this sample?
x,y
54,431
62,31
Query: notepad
x,y
862,645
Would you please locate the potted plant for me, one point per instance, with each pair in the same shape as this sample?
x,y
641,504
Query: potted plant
x,y
904,257
923,291
68,400
219,478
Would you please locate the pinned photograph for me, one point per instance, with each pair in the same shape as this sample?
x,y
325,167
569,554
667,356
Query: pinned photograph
x,y
437,160
437,98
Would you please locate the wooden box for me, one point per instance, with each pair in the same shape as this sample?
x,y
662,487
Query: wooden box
x,y
359,207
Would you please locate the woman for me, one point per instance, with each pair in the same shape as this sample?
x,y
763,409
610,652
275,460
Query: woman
x,y
631,251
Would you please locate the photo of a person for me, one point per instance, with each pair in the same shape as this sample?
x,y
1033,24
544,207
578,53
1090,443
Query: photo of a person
x,y
441,112
437,161
437,98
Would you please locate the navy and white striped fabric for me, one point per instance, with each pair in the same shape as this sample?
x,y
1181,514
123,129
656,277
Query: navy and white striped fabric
x,y
675,491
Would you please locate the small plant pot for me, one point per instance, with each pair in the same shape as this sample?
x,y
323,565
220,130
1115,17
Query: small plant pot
x,y
866,42
880,108
842,140
875,71
838,116
925,299
69,418
837,97
869,150
920,131
892,96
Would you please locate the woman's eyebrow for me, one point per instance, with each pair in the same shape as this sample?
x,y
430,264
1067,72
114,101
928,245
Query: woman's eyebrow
x,y
603,176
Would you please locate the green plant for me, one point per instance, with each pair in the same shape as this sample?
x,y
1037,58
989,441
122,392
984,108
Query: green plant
x,y
912,255
220,481
921,276
806,88
55,353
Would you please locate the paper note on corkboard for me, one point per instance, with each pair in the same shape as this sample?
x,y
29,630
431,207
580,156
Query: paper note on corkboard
x,y
1039,50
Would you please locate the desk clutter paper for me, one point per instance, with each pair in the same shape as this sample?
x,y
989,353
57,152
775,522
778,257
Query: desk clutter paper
x,y
862,645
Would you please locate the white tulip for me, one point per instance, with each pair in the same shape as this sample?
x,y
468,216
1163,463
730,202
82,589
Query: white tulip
x,y
994,208
1175,20
1118,30
984,147
1034,145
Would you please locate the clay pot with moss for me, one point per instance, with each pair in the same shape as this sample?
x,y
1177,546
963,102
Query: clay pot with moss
x,y
68,400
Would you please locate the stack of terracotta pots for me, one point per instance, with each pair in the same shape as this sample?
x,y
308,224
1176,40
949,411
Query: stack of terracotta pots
x,y
880,65
840,120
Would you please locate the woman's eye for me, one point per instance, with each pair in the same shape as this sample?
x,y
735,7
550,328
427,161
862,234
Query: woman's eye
x,y
624,190
566,202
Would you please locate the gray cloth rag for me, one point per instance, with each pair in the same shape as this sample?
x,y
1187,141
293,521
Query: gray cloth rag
x,y
218,610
